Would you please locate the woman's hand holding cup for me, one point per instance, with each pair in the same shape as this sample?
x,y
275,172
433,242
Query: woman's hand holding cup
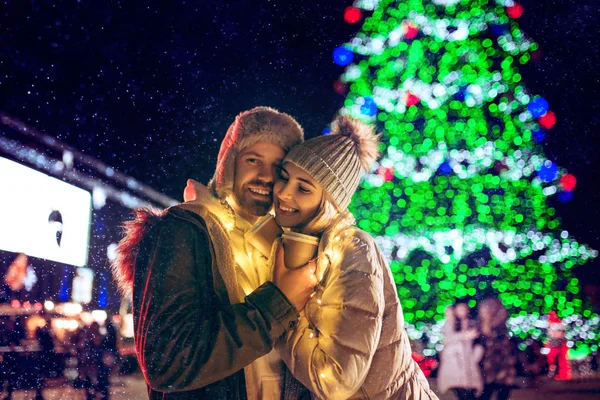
x,y
297,284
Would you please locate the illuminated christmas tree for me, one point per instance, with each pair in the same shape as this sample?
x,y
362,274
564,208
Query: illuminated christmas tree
x,y
458,201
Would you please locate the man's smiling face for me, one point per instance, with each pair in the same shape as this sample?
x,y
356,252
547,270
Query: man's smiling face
x,y
256,169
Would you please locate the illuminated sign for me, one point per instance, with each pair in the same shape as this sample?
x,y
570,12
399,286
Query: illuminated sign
x,y
42,216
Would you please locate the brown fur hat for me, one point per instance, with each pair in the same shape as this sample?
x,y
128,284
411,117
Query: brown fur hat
x,y
260,124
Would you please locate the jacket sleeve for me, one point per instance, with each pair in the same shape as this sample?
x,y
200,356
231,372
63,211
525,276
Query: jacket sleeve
x,y
331,350
185,337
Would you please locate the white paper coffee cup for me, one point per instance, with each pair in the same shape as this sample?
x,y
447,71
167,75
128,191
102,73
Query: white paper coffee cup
x,y
299,249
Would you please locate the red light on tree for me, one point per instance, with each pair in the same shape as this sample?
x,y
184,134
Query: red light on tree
x,y
547,120
386,173
340,87
410,30
568,182
515,11
500,166
411,99
352,15
536,55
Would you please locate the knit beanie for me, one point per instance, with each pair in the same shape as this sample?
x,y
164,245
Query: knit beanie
x,y
260,124
337,160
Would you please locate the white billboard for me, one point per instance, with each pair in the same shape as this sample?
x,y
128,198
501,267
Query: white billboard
x,y
42,216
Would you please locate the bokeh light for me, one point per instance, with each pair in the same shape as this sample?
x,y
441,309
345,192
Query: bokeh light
x,y
342,56
352,15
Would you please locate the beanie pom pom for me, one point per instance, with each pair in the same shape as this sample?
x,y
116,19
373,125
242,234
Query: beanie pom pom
x,y
365,140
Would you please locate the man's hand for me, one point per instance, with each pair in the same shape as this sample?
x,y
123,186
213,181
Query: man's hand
x,y
297,284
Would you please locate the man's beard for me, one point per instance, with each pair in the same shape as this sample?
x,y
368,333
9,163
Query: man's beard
x,y
252,206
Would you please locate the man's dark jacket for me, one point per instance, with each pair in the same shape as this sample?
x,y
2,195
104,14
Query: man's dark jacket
x,y
190,341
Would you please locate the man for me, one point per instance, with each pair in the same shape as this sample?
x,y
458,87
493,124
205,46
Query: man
x,y
204,310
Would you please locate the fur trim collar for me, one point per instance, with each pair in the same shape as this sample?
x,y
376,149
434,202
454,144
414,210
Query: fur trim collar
x,y
123,267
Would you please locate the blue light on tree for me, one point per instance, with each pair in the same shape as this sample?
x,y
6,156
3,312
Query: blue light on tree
x,y
548,171
342,56
445,168
538,107
539,136
369,107
499,30
565,197
460,95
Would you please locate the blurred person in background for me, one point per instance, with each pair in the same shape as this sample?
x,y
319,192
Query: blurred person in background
x,y
7,365
499,358
48,354
46,363
108,359
556,345
532,361
459,361
14,334
90,358
17,333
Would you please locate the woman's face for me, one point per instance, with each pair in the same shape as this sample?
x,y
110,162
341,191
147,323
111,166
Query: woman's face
x,y
297,197
485,312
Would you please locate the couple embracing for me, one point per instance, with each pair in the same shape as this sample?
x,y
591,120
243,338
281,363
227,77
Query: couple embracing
x,y
215,318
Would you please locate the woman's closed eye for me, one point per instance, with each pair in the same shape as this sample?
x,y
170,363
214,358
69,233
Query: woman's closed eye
x,y
303,190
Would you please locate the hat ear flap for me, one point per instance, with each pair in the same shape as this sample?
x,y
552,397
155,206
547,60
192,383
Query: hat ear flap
x,y
225,188
222,181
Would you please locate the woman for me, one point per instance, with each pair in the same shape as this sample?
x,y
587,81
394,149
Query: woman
x,y
89,359
499,359
459,361
350,340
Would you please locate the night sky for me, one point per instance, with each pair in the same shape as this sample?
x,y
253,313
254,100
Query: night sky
x,y
151,87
